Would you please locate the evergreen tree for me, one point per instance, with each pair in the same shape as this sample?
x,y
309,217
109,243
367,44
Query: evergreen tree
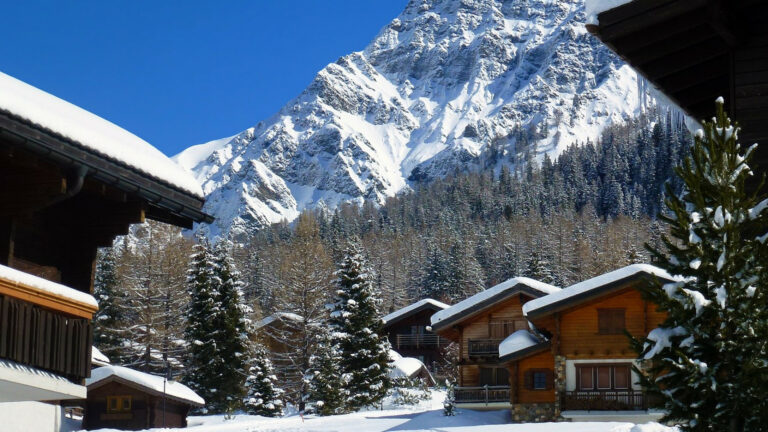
x,y
327,395
231,328
263,394
203,362
356,324
539,268
709,357
110,319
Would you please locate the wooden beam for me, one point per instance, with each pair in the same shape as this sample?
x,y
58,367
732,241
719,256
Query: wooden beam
x,y
703,72
685,59
647,14
677,27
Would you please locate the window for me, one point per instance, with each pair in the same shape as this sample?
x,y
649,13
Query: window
x,y
603,377
118,404
538,379
610,321
417,330
494,376
501,328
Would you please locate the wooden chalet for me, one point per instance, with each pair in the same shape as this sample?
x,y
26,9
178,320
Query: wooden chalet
x,y
695,51
577,363
70,182
479,324
125,399
408,332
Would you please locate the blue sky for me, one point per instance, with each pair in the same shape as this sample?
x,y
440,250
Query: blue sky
x,y
178,73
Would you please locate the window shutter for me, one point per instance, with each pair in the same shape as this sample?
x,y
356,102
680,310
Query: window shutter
x,y
528,380
550,379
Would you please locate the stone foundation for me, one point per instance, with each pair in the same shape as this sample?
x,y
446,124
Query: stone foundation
x,y
534,413
559,383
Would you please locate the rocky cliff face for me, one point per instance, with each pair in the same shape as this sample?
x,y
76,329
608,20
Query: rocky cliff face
x,y
448,85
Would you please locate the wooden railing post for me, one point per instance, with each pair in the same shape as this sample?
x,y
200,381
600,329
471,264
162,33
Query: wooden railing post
x,y
486,394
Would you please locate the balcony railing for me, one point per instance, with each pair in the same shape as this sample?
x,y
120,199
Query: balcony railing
x,y
484,347
484,394
45,325
423,340
614,400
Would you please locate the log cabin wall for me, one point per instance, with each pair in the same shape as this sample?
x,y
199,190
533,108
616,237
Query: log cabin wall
x,y
431,347
544,361
479,327
579,334
97,417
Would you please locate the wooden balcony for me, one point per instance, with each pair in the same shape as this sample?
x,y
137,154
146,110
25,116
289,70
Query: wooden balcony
x,y
484,394
613,400
45,325
418,341
484,348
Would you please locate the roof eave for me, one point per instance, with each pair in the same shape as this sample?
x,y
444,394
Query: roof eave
x,y
115,378
480,307
185,206
411,313
592,294
527,352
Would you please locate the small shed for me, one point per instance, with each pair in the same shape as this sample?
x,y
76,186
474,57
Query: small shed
x,y
122,398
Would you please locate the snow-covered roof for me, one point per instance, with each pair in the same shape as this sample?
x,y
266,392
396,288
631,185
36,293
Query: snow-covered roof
x,y
404,312
55,289
589,286
98,358
152,383
91,132
491,296
278,316
595,7
518,342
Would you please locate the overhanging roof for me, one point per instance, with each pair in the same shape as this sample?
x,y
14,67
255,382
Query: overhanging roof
x,y
413,309
595,288
695,51
479,302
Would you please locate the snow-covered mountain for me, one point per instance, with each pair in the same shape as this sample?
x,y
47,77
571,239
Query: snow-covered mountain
x,y
448,85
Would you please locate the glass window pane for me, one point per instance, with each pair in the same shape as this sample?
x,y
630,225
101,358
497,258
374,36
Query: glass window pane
x,y
585,378
539,380
621,377
502,376
604,377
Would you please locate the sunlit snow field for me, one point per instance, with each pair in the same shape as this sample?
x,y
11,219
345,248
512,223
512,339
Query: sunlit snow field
x,y
427,416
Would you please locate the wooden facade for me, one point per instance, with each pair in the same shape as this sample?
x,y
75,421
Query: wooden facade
x,y
697,50
586,363
61,200
106,408
485,381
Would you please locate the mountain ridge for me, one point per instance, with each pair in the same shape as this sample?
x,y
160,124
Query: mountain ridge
x,y
445,86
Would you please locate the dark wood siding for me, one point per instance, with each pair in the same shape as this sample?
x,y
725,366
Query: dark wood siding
x,y
45,339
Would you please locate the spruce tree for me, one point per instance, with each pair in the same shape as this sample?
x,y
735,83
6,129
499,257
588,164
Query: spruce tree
x,y
108,333
356,324
231,327
327,395
263,393
203,363
709,357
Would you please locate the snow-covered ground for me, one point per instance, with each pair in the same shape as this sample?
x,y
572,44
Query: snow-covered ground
x,y
427,416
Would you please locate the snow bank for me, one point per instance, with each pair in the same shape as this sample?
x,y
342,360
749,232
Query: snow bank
x,y
596,282
404,311
596,7
486,295
517,341
405,367
91,131
151,382
20,278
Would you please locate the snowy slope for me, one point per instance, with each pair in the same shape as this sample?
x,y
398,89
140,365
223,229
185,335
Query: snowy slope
x,y
448,85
